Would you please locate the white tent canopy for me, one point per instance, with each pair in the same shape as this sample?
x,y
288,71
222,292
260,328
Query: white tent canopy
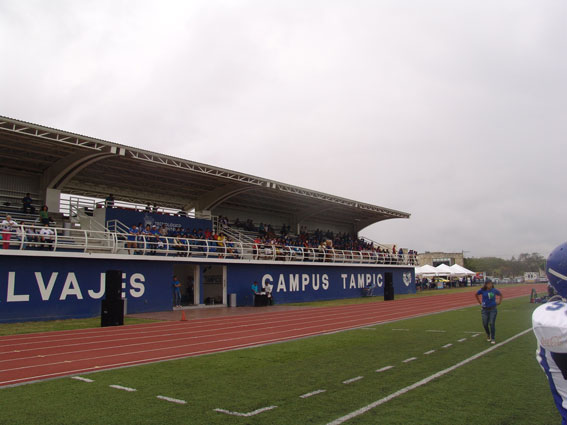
x,y
444,270
426,270
461,271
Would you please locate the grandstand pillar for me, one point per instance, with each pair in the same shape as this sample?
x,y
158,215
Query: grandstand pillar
x,y
52,199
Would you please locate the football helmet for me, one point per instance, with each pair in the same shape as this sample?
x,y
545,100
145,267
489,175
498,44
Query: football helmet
x,y
556,269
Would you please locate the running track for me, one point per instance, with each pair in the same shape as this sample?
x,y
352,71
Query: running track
x,y
33,357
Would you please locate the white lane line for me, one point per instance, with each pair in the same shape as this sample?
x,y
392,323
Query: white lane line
x,y
411,359
312,393
447,345
119,387
351,380
462,340
435,330
429,352
255,412
423,381
472,332
80,378
173,400
385,368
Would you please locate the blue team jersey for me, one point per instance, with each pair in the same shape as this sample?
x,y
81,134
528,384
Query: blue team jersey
x,y
489,297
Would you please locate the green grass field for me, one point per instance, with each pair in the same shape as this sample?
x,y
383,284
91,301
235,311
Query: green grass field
x,y
505,386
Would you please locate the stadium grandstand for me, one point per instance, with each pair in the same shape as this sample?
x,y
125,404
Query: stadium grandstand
x,y
74,207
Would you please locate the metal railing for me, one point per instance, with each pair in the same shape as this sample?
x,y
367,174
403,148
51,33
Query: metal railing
x,y
30,237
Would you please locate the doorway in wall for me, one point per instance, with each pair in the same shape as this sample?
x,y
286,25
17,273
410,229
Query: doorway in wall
x,y
214,284
187,275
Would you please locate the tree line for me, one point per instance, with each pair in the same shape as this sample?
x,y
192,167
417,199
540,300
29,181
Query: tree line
x,y
501,268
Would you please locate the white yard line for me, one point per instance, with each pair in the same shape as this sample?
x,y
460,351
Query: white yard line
x,y
447,345
462,340
312,393
80,378
429,352
255,412
120,387
351,380
411,359
423,381
173,400
385,368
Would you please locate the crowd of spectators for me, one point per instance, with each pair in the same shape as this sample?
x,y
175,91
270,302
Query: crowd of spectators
x,y
37,233
322,241
268,242
32,237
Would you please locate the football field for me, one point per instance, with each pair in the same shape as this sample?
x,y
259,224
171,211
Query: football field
x,y
432,369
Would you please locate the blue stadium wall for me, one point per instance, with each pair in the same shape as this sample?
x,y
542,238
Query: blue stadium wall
x,y
51,287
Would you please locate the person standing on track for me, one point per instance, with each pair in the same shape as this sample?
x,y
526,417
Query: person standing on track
x,y
176,291
489,298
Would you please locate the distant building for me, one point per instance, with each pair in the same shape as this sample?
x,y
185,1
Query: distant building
x,y
436,258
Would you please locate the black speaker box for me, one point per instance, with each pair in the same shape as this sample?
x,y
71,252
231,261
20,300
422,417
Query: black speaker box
x,y
112,313
388,286
113,285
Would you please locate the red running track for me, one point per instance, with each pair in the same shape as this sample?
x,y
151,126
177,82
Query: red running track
x,y
33,357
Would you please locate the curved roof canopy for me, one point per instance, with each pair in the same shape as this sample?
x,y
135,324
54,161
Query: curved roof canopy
x,y
87,166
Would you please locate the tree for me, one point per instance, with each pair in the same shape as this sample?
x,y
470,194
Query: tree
x,y
499,267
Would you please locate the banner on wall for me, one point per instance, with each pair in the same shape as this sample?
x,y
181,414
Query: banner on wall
x,y
42,288
174,223
315,283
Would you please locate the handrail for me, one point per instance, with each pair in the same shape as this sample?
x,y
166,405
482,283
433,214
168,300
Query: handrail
x,y
29,237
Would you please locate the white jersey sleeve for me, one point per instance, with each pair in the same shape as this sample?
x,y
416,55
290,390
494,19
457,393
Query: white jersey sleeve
x,y
550,326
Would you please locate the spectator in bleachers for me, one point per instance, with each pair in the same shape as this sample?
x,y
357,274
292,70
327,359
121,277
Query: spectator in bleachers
x,y
178,244
154,239
27,206
133,234
46,235
109,201
145,235
32,237
44,215
9,227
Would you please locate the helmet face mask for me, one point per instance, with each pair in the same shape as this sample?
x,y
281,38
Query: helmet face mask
x,y
556,269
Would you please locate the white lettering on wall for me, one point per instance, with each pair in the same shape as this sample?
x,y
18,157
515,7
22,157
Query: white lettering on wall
x,y
71,287
45,291
137,285
304,281
352,283
11,295
293,282
96,295
325,280
299,282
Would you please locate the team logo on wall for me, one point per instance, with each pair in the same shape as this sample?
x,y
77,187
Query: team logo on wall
x,y
407,278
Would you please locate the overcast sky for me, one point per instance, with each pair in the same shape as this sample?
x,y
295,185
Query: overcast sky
x,y
453,111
